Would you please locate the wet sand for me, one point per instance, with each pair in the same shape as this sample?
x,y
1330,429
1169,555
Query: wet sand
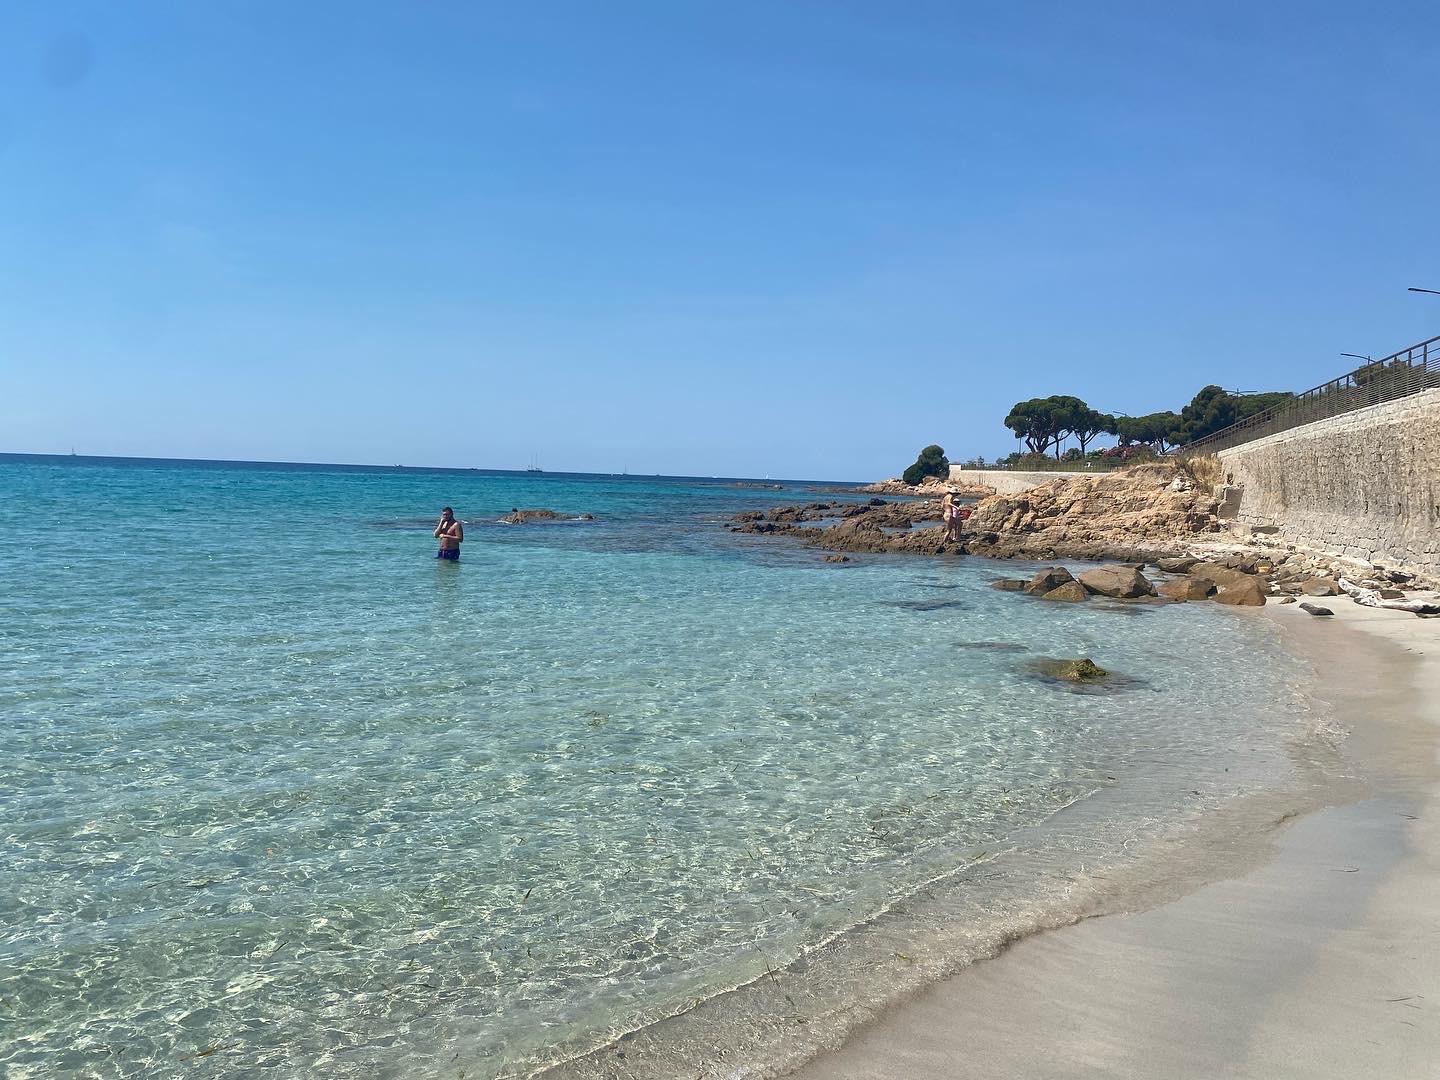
x,y
1324,962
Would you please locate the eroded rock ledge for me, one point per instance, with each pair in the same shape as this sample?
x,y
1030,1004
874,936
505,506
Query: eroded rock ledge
x,y
1153,515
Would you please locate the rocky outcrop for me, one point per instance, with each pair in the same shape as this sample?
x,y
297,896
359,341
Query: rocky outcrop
x,y
521,517
1133,514
931,487
1072,592
1150,515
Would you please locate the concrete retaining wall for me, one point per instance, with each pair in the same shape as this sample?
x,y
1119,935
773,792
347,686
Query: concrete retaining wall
x,y
1004,481
1365,485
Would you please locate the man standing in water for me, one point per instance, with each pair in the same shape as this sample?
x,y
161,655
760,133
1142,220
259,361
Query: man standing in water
x,y
450,534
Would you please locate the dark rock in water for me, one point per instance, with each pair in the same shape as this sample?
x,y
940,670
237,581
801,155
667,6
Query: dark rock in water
x,y
993,646
1288,600
878,502
1119,581
1072,592
836,558
1009,584
1078,675
1048,581
1316,609
1081,670
924,605
520,517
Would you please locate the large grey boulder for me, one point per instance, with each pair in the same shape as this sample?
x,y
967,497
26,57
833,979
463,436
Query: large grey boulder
x,y
1048,580
1244,592
1124,582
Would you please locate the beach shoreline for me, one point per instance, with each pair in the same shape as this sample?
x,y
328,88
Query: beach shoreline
x,y
1322,961
1232,842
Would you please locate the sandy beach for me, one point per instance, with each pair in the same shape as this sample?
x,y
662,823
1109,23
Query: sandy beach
x,y
1322,962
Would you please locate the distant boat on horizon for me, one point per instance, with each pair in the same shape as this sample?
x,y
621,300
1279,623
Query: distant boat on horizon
x,y
534,465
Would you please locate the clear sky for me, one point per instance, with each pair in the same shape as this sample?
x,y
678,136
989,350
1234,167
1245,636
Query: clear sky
x,y
777,237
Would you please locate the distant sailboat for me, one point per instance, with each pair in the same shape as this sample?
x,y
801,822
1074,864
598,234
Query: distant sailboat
x,y
534,465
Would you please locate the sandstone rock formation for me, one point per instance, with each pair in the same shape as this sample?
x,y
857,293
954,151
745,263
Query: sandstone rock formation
x,y
1118,581
1186,588
1131,514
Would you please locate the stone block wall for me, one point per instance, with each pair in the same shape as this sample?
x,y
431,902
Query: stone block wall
x,y
1365,485
1006,481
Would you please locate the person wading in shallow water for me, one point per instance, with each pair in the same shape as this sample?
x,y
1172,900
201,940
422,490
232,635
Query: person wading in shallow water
x,y
450,533
951,513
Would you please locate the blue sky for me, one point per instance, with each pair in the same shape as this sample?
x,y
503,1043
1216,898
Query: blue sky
x,y
785,238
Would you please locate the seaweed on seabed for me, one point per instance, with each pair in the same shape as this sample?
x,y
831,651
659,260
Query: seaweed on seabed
x,y
924,605
1078,675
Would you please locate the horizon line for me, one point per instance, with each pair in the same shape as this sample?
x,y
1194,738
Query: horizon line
x,y
72,456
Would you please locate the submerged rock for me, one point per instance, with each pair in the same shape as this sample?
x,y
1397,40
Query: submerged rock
x,y
993,646
1082,669
836,558
1008,584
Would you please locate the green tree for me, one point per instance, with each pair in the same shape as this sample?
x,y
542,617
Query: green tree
x,y
1157,430
931,462
1034,422
1068,413
1214,409
1088,423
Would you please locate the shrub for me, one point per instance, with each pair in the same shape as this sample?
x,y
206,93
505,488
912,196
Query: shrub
x,y
931,462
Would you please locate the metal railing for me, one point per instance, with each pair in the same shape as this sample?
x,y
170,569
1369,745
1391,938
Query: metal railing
x,y
1051,465
1398,375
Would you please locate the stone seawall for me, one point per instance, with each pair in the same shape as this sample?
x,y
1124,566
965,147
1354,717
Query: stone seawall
x,y
1007,481
1365,485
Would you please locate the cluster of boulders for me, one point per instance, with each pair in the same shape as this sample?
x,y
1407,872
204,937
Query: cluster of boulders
x,y
1155,515
1057,583
872,526
1241,580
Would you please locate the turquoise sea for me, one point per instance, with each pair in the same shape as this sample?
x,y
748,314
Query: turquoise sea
x,y
282,796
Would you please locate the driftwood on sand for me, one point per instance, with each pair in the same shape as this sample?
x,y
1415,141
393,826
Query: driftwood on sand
x,y
1372,598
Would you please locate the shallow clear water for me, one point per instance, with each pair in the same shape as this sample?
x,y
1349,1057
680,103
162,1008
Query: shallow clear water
x,y
280,791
